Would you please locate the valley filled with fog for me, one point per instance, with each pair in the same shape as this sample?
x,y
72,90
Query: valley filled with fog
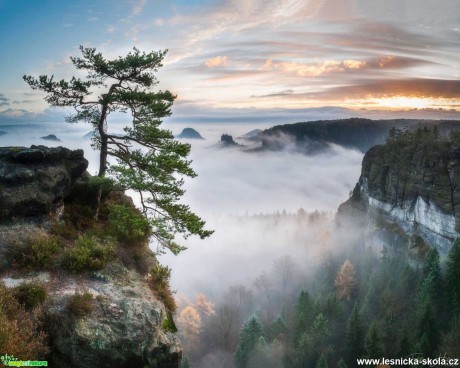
x,y
232,191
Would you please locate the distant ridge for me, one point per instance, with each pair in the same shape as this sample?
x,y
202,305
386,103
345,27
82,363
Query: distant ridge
x,y
251,134
189,133
356,133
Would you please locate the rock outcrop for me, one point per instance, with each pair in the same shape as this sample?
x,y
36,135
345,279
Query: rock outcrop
x,y
34,181
189,133
127,324
411,191
227,140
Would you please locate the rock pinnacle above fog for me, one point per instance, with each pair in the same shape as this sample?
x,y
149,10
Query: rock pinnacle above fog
x,y
189,133
50,137
227,140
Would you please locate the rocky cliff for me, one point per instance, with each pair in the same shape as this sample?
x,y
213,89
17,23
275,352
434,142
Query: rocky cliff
x,y
100,305
409,191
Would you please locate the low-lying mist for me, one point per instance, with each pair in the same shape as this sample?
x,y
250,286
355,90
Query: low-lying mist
x,y
273,217
233,187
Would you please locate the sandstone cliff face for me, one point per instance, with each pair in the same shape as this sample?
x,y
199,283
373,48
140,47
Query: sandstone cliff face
x,y
411,190
34,181
126,326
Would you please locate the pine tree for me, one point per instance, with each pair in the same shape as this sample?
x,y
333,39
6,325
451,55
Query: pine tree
x,y
148,159
341,364
354,337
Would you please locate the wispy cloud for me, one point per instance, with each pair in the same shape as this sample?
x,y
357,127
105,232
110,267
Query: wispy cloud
x,y
3,100
137,7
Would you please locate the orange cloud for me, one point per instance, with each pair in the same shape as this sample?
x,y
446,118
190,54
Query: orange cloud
x,y
354,64
216,62
314,70
305,70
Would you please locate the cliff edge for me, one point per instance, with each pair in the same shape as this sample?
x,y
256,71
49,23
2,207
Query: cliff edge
x,y
409,189
81,293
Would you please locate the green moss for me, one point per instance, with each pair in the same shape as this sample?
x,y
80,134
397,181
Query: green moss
x,y
89,253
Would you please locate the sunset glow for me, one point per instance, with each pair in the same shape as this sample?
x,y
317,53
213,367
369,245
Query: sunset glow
x,y
238,54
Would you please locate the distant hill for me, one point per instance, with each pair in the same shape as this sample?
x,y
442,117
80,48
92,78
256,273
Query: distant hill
x,y
189,133
2,132
51,137
355,133
253,134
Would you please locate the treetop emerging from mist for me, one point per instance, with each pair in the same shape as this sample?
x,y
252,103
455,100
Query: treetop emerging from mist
x,y
149,160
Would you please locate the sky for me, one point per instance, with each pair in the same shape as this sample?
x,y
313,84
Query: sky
x,y
246,57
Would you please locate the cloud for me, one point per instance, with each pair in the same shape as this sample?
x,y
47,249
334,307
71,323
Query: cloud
x,y
417,87
3,100
217,61
137,7
285,92
335,66
23,101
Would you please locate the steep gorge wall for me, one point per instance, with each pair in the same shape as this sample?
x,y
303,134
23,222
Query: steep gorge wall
x,y
411,187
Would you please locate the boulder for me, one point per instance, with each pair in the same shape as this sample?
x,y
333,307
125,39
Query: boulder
x,y
34,181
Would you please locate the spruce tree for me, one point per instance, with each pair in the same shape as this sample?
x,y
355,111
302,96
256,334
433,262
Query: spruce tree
x,y
248,339
354,337
453,278
322,362
373,342
304,312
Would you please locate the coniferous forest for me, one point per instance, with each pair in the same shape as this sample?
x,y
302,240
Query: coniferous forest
x,y
360,301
